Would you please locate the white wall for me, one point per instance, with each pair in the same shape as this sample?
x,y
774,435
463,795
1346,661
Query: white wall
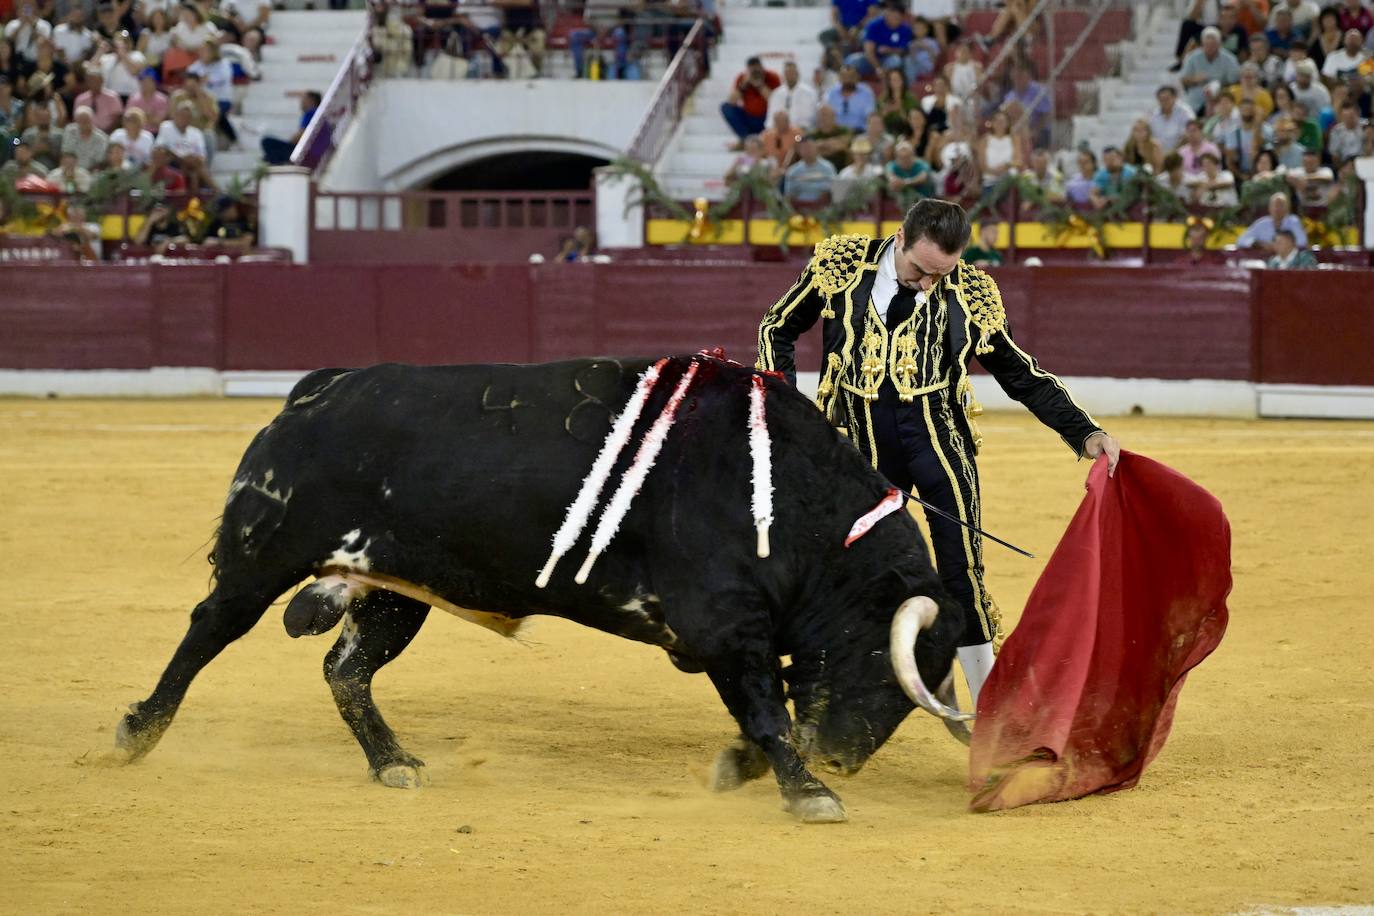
x,y
410,131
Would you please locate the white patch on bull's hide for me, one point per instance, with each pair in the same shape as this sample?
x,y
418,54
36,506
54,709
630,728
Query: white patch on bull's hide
x,y
386,490
348,558
235,488
265,488
350,637
635,605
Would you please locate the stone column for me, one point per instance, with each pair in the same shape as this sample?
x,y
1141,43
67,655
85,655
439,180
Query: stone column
x,y
284,210
617,226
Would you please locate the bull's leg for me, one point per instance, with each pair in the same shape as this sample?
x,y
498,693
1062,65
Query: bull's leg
x,y
739,763
377,628
750,683
215,623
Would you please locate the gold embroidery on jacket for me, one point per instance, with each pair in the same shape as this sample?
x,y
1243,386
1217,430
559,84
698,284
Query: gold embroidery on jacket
x,y
836,264
982,302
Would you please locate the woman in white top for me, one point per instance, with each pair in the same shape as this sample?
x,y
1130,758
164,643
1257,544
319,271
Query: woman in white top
x,y
218,77
997,150
137,142
1213,186
963,73
192,32
122,66
941,105
155,38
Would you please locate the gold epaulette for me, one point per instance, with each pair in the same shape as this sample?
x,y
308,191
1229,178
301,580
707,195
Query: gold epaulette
x,y
836,262
983,303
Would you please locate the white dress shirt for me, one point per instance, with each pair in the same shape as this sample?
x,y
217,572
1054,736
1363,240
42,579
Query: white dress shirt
x,y
885,282
798,101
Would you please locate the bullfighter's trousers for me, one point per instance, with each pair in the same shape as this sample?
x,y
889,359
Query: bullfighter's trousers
x,y
921,447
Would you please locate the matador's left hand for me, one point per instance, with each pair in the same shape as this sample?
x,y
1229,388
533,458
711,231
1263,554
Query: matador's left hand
x,y
1101,442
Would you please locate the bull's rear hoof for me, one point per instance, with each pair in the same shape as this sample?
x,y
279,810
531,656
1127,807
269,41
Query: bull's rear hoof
x,y
818,809
402,776
736,765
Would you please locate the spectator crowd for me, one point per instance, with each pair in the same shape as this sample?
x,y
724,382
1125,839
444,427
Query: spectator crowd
x,y
1266,107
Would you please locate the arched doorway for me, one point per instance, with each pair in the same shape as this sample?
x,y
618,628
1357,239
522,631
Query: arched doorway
x,y
533,170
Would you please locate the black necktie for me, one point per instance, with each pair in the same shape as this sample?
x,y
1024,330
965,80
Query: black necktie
x,y
901,307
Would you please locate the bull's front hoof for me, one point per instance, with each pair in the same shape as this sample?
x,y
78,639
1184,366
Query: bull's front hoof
x,y
402,776
736,765
818,809
133,738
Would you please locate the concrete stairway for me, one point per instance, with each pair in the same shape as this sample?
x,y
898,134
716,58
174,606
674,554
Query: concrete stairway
x,y
697,157
1144,68
307,50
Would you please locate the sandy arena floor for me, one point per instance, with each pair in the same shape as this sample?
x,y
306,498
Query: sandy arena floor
x,y
575,764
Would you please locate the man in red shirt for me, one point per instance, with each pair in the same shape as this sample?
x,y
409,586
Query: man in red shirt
x,y
746,111
1353,15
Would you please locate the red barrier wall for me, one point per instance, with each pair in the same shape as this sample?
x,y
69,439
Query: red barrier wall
x,y
1311,326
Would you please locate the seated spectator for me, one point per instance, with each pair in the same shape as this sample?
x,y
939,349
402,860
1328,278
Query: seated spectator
x,y
861,168
1169,121
1048,178
81,235
22,165
230,228
832,140
1297,56
1253,135
940,104
70,177
1195,252
1208,64
848,18
1223,123
1234,36
925,48
155,38
1026,95
998,152
1249,88
779,140
851,101
162,172
985,253
192,31
49,75
204,109
105,106
276,151
1283,105
752,160
964,74
955,163
83,139
116,161
1267,168
917,129
909,178
887,39
894,101
186,143
1344,63
1309,133
1303,14
1009,19
43,139
122,66
1213,187
26,30
160,230
111,17
827,75
1110,182
1078,190
137,142
1354,15
11,109
1346,137
1287,255
246,21
794,97
1287,149
809,179
1314,185
1173,179
1309,90
1260,233
72,39
1268,65
149,100
1330,36
1282,34
218,78
746,110
1142,150
1194,145
881,143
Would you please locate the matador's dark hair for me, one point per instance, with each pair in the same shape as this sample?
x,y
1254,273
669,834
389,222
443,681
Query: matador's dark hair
x,y
944,223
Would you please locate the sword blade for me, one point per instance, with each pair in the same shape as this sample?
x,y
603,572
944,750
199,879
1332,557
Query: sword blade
x,y
958,521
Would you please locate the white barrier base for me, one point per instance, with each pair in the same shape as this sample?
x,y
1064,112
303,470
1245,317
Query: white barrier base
x,y
1103,397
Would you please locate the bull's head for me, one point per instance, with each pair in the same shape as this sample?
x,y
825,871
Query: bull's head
x,y
851,698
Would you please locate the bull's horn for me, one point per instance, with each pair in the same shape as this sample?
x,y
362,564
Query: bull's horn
x,y
915,615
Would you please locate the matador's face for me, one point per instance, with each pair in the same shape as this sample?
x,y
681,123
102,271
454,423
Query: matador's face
x,y
923,264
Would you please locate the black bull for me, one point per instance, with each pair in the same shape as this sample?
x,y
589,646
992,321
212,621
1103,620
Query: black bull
x,y
403,488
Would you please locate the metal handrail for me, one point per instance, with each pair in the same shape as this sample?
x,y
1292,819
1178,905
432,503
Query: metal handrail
x,y
687,69
1098,11
1008,47
335,112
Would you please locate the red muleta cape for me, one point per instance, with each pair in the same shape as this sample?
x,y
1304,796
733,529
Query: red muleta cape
x,y
1082,696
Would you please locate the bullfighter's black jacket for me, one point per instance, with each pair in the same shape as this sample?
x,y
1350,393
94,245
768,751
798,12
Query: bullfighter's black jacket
x,y
927,354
